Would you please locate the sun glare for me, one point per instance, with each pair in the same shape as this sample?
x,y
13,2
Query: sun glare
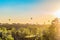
x,y
57,13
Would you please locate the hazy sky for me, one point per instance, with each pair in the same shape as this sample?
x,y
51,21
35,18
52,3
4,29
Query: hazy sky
x,y
21,10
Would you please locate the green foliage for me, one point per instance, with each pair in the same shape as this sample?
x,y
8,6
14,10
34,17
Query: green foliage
x,y
0,38
9,37
30,32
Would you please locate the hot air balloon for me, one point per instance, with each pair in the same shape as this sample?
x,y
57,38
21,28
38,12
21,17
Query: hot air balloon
x,y
9,19
31,18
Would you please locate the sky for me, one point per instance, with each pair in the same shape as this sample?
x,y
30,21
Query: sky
x,y
20,11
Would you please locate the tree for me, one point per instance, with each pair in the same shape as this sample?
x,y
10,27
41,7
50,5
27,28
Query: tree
x,y
53,29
